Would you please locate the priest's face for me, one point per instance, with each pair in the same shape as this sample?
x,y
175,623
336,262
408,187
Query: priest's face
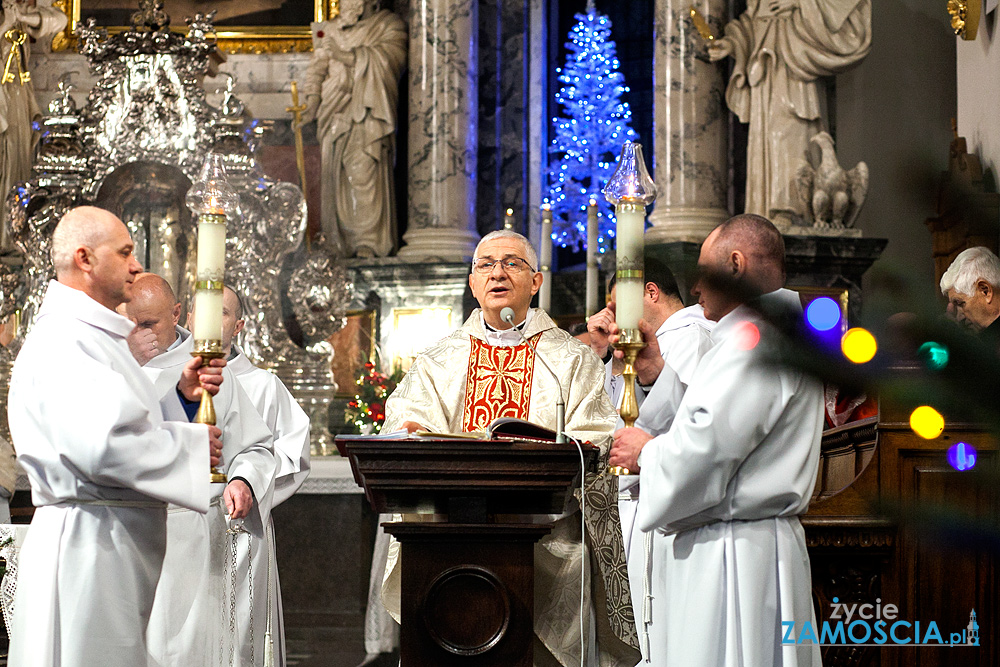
x,y
501,288
710,288
114,267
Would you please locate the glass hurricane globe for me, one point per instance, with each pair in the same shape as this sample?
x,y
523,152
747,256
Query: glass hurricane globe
x,y
211,193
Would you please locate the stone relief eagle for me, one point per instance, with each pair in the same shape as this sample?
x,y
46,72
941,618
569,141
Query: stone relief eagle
x,y
831,196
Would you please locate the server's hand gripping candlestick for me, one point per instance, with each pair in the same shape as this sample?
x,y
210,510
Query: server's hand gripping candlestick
x,y
631,190
212,200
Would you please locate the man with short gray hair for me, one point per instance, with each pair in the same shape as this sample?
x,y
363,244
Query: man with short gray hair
x,y
485,370
970,285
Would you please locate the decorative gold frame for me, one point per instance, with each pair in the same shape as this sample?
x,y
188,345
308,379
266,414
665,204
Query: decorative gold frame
x,y
232,39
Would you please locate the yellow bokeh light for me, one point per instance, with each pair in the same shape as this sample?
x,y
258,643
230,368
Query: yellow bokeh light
x,y
858,345
927,422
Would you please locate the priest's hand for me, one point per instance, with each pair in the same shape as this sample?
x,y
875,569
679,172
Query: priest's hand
x,y
649,361
627,445
413,426
142,344
238,499
214,444
197,375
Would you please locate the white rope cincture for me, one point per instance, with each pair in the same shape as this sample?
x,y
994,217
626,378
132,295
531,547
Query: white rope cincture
x,y
268,640
234,533
647,596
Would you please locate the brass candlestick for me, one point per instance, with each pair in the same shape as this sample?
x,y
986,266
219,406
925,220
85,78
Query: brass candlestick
x,y
208,350
630,342
213,200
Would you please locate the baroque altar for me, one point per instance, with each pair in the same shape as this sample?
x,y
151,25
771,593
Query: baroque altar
x,y
135,148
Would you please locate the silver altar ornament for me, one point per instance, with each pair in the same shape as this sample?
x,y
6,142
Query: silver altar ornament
x,y
135,148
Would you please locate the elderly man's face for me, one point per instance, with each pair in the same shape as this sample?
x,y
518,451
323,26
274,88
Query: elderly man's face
x,y
499,289
976,311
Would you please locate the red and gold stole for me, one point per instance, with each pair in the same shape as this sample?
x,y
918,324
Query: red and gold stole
x,y
498,383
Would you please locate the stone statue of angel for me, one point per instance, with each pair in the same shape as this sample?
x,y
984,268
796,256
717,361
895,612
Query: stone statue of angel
x,y
352,87
782,50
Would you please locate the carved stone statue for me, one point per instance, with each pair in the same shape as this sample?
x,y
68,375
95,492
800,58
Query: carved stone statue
x,y
832,196
19,21
782,49
352,86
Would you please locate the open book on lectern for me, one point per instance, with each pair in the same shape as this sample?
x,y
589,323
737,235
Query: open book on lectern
x,y
501,428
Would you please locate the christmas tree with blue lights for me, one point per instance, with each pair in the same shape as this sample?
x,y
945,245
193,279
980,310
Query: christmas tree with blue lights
x,y
590,135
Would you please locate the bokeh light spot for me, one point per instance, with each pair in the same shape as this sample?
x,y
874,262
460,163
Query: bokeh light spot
x,y
962,456
927,422
858,345
934,355
747,335
823,313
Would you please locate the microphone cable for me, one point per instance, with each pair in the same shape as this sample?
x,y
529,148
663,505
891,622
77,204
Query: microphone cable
x,y
507,315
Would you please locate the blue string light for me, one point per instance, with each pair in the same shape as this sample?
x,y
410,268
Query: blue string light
x,y
823,313
962,456
588,138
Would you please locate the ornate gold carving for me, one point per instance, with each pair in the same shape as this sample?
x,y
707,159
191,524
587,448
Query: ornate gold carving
x,y
965,17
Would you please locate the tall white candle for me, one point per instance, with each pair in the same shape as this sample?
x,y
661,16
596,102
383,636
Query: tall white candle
x,y
592,249
629,281
208,314
211,251
545,259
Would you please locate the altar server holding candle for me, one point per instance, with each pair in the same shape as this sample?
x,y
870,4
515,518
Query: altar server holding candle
x,y
722,490
102,456
191,600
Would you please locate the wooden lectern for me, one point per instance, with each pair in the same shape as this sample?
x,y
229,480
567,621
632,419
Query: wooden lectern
x,y
468,577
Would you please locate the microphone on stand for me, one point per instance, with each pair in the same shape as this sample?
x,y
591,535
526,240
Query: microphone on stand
x,y
507,315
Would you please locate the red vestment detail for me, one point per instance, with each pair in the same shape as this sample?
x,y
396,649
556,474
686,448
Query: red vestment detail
x,y
498,383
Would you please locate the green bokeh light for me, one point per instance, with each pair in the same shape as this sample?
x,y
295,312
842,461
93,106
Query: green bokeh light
x,y
934,355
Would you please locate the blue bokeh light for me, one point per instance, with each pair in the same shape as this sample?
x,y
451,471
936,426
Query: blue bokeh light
x,y
823,313
962,456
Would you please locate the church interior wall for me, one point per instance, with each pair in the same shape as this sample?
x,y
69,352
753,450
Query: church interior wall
x,y
977,67
894,112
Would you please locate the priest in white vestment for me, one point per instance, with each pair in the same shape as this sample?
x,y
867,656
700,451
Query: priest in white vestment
x,y
104,452
680,337
191,612
484,371
724,487
289,424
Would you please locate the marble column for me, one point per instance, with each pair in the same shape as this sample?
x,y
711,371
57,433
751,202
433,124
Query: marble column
x,y
690,162
442,130
504,58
